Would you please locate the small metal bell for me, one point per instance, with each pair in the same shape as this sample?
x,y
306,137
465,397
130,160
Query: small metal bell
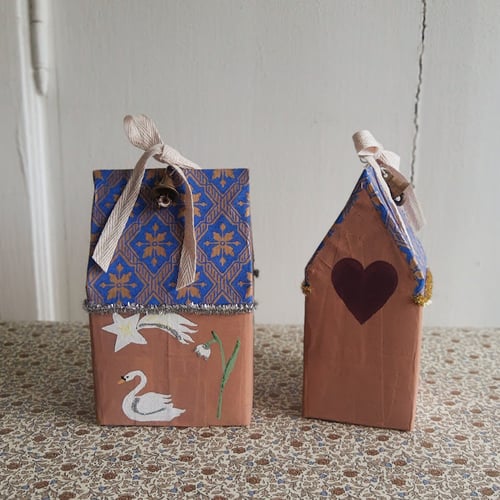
x,y
165,192
397,183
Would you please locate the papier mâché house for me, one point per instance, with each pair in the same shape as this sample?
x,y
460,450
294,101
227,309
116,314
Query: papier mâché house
x,y
166,354
365,286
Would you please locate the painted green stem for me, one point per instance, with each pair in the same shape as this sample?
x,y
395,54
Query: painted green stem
x,y
221,347
227,368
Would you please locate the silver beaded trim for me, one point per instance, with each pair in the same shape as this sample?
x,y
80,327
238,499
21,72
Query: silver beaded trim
x,y
164,308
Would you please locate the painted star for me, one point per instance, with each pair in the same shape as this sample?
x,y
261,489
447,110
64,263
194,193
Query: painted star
x,y
125,330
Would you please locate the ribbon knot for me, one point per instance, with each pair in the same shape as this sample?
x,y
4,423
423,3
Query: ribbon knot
x,y
142,133
372,152
369,149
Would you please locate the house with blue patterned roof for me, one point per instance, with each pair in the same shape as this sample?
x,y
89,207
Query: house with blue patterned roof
x,y
170,290
364,289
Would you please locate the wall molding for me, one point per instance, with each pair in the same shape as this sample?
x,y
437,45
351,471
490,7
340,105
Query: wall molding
x,y
33,150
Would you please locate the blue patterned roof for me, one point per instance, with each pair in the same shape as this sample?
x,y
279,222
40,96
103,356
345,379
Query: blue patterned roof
x,y
145,265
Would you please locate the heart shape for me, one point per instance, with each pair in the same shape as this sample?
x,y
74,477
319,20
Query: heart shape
x,y
364,291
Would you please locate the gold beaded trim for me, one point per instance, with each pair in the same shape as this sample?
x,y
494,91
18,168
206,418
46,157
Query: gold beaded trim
x,y
306,288
423,299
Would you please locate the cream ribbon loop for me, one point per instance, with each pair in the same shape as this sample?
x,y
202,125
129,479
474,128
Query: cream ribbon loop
x,y
142,133
372,152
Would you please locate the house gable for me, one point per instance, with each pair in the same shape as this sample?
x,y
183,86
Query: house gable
x,y
410,247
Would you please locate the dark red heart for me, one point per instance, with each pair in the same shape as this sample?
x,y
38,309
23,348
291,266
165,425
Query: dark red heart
x,y
364,291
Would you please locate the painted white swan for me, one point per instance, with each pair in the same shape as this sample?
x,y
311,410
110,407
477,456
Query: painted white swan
x,y
149,407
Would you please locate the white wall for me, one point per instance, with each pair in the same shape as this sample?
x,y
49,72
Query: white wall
x,y
17,288
458,174
279,87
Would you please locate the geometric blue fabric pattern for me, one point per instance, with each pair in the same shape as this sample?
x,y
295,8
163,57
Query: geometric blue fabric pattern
x,y
145,265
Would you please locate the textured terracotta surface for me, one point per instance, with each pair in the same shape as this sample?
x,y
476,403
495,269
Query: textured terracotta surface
x,y
51,447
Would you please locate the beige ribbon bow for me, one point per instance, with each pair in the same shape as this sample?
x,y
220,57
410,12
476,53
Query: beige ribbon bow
x,y
142,133
372,152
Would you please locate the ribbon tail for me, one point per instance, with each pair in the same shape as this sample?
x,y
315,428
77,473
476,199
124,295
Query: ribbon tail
x,y
413,209
389,201
187,264
117,220
141,131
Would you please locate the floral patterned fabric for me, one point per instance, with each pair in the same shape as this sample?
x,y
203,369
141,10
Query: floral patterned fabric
x,y
51,448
